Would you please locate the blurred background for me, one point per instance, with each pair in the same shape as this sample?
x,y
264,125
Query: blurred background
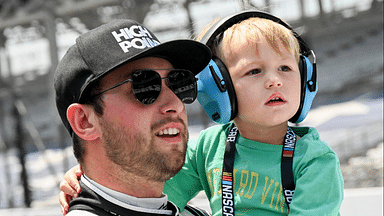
x,y
35,149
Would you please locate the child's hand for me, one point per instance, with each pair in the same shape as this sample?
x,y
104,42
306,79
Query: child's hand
x,y
70,187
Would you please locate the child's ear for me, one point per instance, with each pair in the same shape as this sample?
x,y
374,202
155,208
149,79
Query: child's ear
x,y
82,119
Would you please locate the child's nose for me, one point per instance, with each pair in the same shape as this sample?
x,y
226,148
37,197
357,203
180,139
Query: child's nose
x,y
273,80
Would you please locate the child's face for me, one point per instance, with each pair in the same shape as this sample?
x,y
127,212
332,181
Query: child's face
x,y
267,83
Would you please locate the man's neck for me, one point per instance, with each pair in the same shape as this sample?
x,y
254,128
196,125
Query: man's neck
x,y
106,193
115,178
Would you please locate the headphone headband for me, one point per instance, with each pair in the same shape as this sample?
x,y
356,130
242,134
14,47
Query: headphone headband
x,y
226,22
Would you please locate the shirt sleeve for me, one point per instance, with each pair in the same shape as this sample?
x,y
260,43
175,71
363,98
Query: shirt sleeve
x,y
319,186
185,185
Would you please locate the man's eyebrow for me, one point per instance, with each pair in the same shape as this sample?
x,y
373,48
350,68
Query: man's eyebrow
x,y
128,75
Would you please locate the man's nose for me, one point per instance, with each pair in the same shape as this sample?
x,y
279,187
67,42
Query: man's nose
x,y
170,103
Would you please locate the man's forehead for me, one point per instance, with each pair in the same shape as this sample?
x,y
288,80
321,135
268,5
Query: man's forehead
x,y
146,63
125,71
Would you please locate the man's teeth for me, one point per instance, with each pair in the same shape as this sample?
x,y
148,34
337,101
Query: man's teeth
x,y
169,131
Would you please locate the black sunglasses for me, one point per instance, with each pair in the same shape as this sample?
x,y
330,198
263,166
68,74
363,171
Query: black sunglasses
x,y
146,85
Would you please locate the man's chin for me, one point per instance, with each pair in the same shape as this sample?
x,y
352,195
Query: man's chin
x,y
176,162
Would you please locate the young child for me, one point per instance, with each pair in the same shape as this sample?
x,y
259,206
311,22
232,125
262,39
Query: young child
x,y
262,58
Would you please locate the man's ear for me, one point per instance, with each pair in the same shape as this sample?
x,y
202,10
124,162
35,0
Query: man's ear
x,y
83,121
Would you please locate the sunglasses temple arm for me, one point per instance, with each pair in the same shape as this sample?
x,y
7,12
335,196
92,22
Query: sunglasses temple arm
x,y
115,86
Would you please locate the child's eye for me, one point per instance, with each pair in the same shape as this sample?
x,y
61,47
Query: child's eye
x,y
284,68
254,71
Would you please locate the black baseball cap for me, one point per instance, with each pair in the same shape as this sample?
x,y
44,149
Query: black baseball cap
x,y
103,49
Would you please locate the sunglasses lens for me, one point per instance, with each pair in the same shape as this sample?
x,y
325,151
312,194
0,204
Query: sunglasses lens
x,y
183,84
146,86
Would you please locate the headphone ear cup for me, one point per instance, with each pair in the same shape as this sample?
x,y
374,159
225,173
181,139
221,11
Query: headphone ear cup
x,y
215,92
307,96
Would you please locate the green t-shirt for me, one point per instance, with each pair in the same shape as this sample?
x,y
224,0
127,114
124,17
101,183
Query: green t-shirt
x,y
257,175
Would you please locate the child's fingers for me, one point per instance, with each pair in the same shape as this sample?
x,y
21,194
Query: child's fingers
x,y
74,183
62,211
72,179
64,202
67,189
78,173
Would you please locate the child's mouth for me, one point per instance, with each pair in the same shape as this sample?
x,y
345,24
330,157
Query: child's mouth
x,y
275,100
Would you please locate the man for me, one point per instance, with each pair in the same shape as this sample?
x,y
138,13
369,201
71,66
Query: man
x,y
120,94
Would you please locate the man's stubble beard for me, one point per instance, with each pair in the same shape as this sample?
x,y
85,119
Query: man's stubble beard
x,y
137,154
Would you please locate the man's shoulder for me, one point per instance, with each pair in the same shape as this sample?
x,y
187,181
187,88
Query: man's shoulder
x,y
80,213
190,210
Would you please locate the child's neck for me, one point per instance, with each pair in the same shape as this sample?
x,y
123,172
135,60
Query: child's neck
x,y
273,135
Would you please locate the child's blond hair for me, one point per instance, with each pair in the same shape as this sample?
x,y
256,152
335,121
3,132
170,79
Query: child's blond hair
x,y
253,30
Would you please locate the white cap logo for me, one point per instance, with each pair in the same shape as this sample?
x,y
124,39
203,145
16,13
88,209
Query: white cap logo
x,y
136,36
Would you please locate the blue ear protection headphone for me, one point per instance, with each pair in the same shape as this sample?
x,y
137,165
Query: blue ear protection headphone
x,y
216,93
